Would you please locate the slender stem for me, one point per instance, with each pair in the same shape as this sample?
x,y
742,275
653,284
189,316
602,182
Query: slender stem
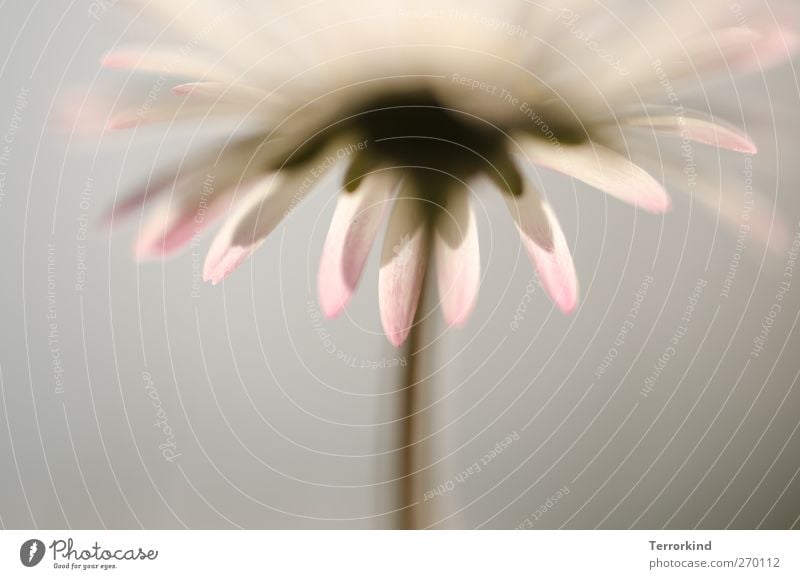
x,y
410,433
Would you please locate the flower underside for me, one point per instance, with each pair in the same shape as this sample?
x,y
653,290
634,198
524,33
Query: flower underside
x,y
437,146
424,106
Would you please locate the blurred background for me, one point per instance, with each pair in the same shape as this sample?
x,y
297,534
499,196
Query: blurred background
x,y
133,395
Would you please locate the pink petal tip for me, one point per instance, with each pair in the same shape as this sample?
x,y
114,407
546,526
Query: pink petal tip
x,y
218,267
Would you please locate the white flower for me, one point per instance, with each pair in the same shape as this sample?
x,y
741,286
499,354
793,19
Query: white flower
x,y
417,101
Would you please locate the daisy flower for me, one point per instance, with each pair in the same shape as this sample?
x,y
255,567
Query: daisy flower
x,y
405,109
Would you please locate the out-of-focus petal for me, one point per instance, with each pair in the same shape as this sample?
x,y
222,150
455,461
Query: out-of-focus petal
x,y
239,95
175,62
458,258
546,246
261,210
354,225
204,176
602,168
403,264
695,126
254,217
532,222
775,46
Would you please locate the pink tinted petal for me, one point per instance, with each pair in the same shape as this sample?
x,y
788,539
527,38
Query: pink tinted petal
x,y
693,54
261,210
756,217
164,233
216,170
221,261
138,200
175,110
255,216
602,168
530,217
83,112
403,264
556,268
176,62
695,126
175,224
355,223
458,259
775,47
220,91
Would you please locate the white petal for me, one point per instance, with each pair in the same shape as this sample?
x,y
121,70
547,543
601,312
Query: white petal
x,y
458,259
175,62
403,263
530,218
255,216
693,125
261,210
235,94
197,191
167,112
554,261
556,269
355,223
721,195
602,168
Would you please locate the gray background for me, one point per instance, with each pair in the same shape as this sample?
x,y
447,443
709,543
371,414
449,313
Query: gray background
x,y
273,430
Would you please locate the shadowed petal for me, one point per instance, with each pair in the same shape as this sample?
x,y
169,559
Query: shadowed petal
x,y
602,168
403,263
531,220
546,246
218,170
261,210
458,258
254,218
355,223
175,222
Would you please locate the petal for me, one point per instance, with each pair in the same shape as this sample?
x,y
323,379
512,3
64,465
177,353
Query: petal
x,y
216,170
166,112
165,231
693,125
152,190
530,218
403,264
750,217
458,259
773,48
236,94
602,168
175,62
355,223
554,264
175,222
709,52
261,210
255,216
220,28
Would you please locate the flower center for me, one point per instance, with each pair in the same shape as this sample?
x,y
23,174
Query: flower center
x,y
436,145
